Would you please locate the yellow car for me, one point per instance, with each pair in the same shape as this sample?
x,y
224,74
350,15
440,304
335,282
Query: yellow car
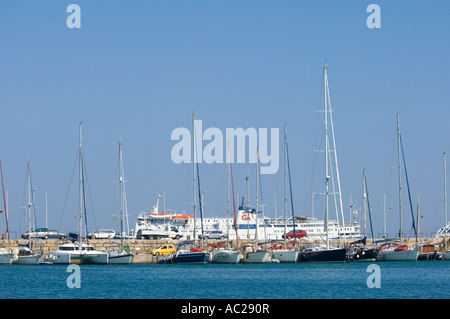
x,y
165,249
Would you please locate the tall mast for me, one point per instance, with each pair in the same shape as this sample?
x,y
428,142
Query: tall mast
x,y
193,172
248,206
228,197
335,160
365,201
121,194
234,206
399,178
46,211
445,201
285,217
80,202
256,219
327,177
29,200
4,204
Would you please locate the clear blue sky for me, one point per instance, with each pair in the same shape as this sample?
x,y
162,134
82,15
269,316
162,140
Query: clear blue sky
x,y
138,69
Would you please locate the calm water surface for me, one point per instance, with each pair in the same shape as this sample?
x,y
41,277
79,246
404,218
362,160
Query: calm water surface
x,y
411,280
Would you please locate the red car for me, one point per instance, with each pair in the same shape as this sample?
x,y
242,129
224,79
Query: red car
x,y
298,234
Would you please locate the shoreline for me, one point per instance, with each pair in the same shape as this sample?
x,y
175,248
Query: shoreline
x,y
141,248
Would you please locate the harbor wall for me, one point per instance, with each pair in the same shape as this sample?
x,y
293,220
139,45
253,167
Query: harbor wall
x,y
145,246
142,248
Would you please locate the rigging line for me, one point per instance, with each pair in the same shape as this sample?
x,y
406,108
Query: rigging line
x,y
315,159
335,156
113,208
368,207
34,210
262,202
234,206
4,205
200,201
334,189
68,189
290,189
409,192
84,202
23,214
89,192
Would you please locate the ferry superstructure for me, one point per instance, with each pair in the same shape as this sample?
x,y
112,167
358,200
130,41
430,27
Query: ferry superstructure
x,y
181,226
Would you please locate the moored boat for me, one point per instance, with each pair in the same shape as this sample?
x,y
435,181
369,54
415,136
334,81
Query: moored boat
x,y
396,252
117,253
322,254
250,254
6,257
26,257
226,256
193,255
399,251
70,253
428,252
285,255
327,253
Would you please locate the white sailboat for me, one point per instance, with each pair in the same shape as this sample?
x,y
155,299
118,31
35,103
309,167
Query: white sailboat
x,y
6,255
252,253
227,255
119,255
27,255
327,253
356,252
286,255
81,252
196,255
394,251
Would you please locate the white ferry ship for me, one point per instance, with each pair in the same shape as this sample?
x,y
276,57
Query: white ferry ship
x,y
181,226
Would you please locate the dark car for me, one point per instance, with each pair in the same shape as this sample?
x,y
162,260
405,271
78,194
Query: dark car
x,y
298,234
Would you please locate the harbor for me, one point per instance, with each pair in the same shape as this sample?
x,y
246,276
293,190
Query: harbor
x,y
142,248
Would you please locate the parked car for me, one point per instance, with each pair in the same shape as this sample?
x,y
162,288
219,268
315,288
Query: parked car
x,y
103,234
165,249
43,233
298,234
213,234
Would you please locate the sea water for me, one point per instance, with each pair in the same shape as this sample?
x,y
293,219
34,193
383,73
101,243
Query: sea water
x,y
396,280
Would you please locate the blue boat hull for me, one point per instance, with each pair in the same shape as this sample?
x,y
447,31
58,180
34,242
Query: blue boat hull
x,y
191,258
332,255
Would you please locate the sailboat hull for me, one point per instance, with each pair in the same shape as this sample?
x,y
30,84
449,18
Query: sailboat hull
x,y
446,255
256,257
363,255
58,258
28,260
285,256
6,258
393,255
121,259
226,257
93,258
323,255
191,258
